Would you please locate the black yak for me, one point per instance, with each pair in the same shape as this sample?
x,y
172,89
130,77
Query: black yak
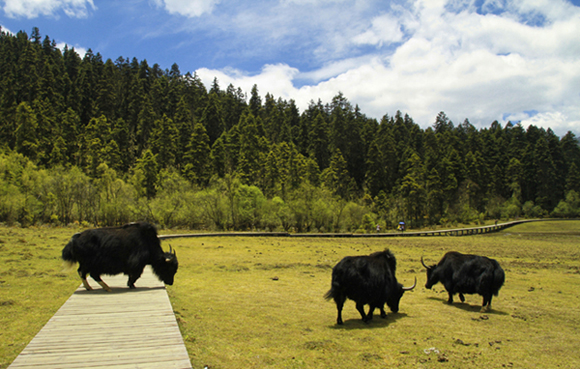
x,y
116,250
464,273
367,280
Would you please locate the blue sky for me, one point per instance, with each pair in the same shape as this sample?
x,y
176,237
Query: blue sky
x,y
483,60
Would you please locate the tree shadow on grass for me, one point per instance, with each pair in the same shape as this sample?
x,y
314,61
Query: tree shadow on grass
x,y
377,322
468,307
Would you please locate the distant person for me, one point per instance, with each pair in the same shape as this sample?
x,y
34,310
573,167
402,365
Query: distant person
x,y
401,226
378,227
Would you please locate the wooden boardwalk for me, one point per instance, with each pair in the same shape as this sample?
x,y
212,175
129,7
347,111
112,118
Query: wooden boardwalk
x,y
443,232
119,329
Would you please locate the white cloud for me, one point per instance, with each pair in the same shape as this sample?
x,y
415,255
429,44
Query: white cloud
x,y
188,8
482,67
6,30
36,8
275,79
81,51
384,29
557,121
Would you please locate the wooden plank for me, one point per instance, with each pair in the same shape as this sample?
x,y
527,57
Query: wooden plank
x,y
120,329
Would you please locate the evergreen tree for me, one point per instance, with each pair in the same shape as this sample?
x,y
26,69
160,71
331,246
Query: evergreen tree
x,y
336,177
318,148
219,157
95,139
197,158
412,187
435,196
163,142
252,153
122,137
255,102
573,179
70,127
514,173
26,132
212,118
107,92
376,176
147,166
545,176
145,124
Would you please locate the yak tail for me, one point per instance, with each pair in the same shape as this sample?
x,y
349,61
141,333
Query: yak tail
x,y
68,256
333,292
68,253
329,295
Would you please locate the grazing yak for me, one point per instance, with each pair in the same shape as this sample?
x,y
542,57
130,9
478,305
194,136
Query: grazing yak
x,y
116,250
464,273
367,280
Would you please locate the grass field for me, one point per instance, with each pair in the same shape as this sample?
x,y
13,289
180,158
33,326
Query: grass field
x,y
258,302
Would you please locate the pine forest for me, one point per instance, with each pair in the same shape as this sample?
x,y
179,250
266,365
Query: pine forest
x,y
102,142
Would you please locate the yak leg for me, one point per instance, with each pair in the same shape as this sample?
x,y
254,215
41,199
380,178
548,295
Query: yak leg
x,y
361,309
383,314
97,278
370,314
339,305
461,297
486,306
83,276
450,300
131,281
133,278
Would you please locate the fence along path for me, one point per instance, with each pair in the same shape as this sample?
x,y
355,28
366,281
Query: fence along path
x,y
120,329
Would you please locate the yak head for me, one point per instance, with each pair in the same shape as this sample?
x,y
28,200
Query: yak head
x,y
432,278
394,297
167,268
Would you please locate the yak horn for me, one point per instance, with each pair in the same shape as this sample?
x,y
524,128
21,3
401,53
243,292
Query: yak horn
x,y
410,288
426,267
172,252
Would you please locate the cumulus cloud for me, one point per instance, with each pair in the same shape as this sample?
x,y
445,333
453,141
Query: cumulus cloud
x,y
474,63
275,79
36,8
188,8
81,51
384,29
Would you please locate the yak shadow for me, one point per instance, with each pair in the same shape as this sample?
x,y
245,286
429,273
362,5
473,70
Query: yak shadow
x,y
116,290
468,307
377,322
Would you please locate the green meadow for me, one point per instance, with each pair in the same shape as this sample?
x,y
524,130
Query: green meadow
x,y
245,302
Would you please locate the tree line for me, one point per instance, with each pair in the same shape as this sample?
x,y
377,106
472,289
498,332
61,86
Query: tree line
x,y
106,142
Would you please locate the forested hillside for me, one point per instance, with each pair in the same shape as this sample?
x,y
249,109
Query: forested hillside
x,y
106,142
